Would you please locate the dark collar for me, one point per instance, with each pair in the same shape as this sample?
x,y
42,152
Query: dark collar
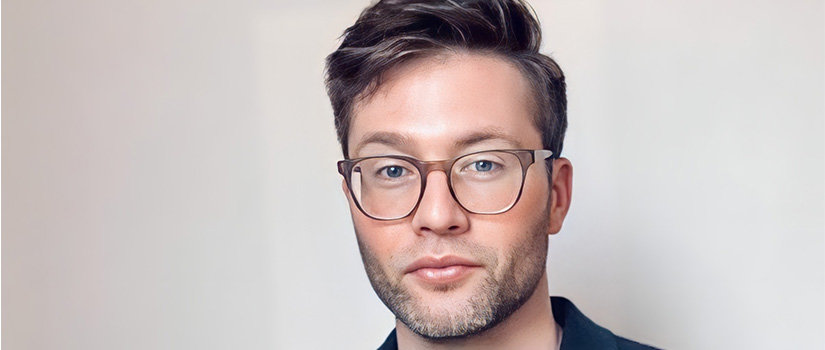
x,y
578,332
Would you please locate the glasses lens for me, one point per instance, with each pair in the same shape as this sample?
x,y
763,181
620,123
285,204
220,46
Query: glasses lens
x,y
487,182
386,188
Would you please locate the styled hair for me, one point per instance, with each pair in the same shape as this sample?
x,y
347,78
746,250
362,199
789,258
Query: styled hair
x,y
392,32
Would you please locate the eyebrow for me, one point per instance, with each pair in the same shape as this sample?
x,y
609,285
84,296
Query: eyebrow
x,y
394,139
384,138
487,134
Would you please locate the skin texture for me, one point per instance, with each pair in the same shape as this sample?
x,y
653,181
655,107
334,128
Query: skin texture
x,y
437,108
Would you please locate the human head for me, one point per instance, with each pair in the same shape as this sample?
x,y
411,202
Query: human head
x,y
392,32
387,62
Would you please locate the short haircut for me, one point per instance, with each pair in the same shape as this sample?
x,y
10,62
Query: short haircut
x,y
392,32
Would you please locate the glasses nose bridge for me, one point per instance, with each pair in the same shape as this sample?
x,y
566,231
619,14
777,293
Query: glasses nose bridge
x,y
427,167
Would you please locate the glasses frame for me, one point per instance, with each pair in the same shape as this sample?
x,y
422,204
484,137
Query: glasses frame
x,y
526,157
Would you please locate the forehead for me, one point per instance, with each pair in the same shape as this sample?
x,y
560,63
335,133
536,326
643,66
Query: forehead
x,y
439,106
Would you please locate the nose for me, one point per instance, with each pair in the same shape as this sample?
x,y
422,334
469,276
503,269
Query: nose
x,y
438,212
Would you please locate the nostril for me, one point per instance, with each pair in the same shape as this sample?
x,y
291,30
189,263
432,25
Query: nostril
x,y
453,228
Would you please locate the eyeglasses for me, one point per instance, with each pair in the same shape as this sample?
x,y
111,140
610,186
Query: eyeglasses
x,y
391,187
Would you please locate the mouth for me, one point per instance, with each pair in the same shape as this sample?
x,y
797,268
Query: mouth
x,y
441,270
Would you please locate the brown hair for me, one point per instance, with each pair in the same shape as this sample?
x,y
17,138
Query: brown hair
x,y
391,32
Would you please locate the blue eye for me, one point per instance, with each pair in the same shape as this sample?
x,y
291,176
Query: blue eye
x,y
483,165
393,171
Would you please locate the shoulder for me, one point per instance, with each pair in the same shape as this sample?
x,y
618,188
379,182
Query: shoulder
x,y
627,344
579,332
390,343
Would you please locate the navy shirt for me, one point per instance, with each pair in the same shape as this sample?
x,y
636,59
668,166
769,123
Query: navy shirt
x,y
578,332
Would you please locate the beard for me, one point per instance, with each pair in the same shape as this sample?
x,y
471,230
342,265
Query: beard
x,y
508,284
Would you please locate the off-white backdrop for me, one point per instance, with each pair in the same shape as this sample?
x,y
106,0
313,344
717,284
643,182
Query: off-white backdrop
x,y
169,179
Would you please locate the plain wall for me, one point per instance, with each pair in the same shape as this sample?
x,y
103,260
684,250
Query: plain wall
x,y
169,182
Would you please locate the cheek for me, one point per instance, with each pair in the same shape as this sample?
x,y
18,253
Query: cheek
x,y
535,194
530,208
523,226
382,239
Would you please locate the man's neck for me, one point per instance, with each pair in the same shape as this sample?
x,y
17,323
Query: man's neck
x,y
530,327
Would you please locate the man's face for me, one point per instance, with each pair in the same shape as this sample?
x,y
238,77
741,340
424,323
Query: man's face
x,y
481,267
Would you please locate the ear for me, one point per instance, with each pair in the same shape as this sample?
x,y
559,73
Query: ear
x,y
560,193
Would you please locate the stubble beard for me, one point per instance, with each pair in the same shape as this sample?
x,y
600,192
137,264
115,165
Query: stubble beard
x,y
493,300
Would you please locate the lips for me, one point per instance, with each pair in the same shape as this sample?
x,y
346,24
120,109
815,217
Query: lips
x,y
441,270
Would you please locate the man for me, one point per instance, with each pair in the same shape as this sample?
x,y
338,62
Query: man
x,y
452,125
